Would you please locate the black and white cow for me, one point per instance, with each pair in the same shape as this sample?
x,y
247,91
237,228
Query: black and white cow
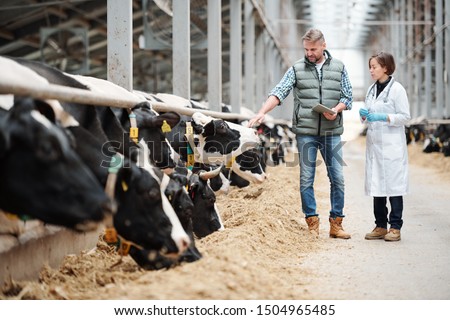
x,y
438,141
196,210
184,206
415,132
206,218
41,175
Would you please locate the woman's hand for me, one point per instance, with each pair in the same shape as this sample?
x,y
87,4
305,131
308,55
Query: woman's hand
x,y
372,117
363,113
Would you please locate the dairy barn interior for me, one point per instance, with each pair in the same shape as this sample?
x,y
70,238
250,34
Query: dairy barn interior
x,y
225,54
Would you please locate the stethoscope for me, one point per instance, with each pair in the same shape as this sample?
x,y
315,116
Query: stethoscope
x,y
388,88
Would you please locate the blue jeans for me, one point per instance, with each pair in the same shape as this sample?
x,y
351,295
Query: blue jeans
x,y
381,212
331,150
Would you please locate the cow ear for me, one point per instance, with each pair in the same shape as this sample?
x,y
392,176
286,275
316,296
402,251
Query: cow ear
x,y
180,178
142,105
198,129
209,129
45,109
171,118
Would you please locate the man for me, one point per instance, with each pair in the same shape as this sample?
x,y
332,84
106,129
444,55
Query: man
x,y
317,78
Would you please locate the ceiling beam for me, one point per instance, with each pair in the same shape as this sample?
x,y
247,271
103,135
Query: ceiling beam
x,y
362,23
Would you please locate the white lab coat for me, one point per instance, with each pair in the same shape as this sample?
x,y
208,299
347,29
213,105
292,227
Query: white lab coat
x,y
386,149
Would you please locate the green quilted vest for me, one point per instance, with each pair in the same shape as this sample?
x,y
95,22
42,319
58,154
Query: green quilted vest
x,y
309,91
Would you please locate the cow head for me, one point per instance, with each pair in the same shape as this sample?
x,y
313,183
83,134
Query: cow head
x,y
219,139
152,127
206,218
141,214
220,184
42,176
184,207
249,166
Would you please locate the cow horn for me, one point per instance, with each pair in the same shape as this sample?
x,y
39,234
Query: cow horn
x,y
205,175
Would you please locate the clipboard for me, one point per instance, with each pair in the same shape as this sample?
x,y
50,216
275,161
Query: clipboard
x,y
320,108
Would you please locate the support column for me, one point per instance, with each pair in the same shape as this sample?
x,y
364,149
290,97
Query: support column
x,y
181,52
392,28
447,61
261,70
236,55
249,56
402,42
120,43
409,84
439,60
215,55
428,79
418,94
419,109
277,62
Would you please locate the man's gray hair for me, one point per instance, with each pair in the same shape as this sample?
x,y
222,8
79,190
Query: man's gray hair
x,y
313,35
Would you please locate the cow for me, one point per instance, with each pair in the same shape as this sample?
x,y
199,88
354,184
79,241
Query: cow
x,y
182,203
249,160
196,210
415,132
206,218
438,141
442,133
41,174
277,140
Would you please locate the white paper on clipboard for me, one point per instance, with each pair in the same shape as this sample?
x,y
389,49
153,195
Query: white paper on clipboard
x,y
320,108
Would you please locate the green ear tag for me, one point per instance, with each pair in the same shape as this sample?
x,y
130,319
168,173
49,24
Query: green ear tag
x,y
165,127
115,164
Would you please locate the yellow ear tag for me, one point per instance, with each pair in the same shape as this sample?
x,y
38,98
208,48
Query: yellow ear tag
x,y
124,186
124,248
134,134
110,235
189,130
230,163
11,216
166,127
190,160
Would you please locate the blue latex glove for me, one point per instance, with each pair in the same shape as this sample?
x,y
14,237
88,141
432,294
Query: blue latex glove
x,y
377,117
363,113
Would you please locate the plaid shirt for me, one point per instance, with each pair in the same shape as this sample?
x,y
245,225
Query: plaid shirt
x,y
287,83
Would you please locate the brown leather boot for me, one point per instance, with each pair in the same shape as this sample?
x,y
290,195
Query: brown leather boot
x,y
377,233
313,225
336,230
392,235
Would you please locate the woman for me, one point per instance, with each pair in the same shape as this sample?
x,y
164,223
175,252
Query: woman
x,y
386,113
